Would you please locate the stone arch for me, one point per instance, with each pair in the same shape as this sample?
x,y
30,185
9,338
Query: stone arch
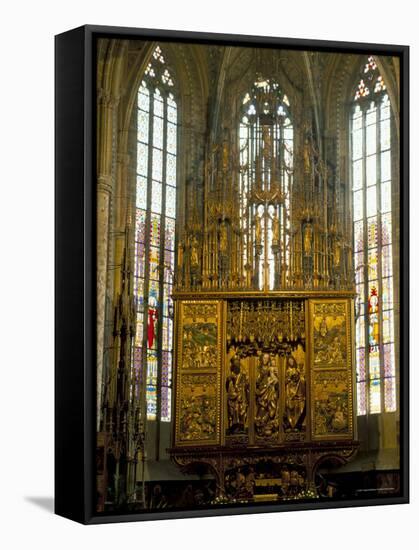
x,y
340,88
187,64
231,90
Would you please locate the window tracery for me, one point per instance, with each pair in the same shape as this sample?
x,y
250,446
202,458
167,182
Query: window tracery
x,y
157,120
371,151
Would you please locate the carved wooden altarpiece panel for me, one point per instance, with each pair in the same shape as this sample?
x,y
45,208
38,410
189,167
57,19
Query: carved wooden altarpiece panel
x,y
264,390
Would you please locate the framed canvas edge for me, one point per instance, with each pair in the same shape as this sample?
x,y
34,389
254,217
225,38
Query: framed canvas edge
x,y
247,509
240,39
85,447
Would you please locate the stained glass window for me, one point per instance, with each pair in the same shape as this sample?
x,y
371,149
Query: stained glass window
x,y
372,227
157,128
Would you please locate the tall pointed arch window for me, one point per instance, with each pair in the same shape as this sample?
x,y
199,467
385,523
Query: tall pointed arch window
x,y
266,156
155,233
371,156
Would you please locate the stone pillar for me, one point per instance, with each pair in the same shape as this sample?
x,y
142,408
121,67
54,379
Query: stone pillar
x,y
122,216
107,106
104,192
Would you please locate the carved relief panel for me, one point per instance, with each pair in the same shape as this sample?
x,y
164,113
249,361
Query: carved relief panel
x,y
331,369
331,396
266,478
198,408
330,334
198,372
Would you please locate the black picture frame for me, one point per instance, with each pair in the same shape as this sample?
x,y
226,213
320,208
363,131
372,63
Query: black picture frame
x,y
75,267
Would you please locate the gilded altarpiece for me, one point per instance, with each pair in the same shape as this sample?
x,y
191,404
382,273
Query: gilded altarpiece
x,y
264,391
264,379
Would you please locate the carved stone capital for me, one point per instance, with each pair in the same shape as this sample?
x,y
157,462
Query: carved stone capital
x,y
106,98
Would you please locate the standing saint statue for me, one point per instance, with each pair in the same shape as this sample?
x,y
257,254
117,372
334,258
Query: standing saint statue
x,y
258,229
194,252
237,387
336,253
308,236
267,142
275,229
267,398
295,395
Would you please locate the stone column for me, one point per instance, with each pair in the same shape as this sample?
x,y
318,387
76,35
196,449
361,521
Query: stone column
x,y
107,106
104,192
122,216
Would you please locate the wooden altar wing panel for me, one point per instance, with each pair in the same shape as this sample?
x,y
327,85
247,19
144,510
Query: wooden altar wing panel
x,y
331,366
198,373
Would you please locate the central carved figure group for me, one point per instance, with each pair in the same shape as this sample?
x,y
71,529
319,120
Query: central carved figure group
x,y
267,397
